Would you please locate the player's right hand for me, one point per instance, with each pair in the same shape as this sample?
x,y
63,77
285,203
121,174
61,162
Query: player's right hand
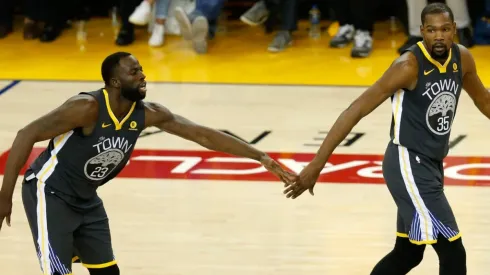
x,y
5,208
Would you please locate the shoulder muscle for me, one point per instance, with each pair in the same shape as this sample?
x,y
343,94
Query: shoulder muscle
x,y
78,111
156,113
467,61
402,73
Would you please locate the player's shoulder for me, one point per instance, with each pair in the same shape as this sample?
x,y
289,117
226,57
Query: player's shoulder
x,y
464,52
466,59
83,102
155,108
406,63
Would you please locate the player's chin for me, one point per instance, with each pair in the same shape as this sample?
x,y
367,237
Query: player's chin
x,y
142,91
439,51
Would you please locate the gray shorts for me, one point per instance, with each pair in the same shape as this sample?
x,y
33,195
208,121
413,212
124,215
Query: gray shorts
x,y
63,234
416,184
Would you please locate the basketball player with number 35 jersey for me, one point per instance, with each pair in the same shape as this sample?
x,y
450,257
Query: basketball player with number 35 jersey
x,y
424,85
92,136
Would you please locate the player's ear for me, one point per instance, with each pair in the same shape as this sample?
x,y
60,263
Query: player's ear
x,y
115,83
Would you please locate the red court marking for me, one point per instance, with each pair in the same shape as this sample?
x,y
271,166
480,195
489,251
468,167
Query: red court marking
x,y
362,169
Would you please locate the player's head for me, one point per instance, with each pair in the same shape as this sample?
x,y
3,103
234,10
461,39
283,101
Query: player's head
x,y
438,29
121,70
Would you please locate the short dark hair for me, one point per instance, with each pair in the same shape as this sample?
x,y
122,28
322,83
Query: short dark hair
x,y
436,8
110,63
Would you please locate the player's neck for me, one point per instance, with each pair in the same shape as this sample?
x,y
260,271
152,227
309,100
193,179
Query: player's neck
x,y
120,106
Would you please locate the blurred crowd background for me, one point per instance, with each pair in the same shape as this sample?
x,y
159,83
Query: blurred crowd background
x,y
353,20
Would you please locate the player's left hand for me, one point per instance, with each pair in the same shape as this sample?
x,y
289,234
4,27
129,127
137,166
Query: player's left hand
x,y
5,208
275,168
306,181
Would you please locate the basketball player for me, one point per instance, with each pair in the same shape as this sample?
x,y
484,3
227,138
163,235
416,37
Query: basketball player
x,y
92,137
424,84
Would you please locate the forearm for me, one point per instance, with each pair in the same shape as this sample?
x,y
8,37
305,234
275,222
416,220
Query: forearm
x,y
341,128
218,141
19,153
484,106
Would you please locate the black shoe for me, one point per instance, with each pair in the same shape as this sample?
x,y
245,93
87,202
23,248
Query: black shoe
x,y
412,40
466,37
50,33
125,37
5,30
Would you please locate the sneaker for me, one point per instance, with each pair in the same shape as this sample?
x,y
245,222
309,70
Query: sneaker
x,y
200,29
256,15
344,36
281,41
363,44
184,23
141,15
157,36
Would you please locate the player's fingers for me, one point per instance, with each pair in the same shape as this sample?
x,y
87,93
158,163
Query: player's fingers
x,y
297,193
8,220
1,222
290,188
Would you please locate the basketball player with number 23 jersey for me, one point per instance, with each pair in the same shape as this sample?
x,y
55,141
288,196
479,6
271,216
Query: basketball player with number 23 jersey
x,y
92,136
424,85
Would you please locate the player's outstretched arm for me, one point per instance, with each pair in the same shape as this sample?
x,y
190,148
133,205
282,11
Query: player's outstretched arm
x,y
401,74
472,83
79,111
160,117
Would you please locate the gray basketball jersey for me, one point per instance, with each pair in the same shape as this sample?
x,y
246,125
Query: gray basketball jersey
x,y
76,165
422,117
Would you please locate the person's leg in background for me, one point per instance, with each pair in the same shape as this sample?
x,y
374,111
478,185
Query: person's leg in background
x,y
158,32
55,19
363,13
256,15
463,22
461,16
32,15
289,19
346,30
200,24
126,33
6,17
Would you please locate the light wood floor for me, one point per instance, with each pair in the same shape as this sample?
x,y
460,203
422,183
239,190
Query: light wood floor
x,y
219,226
167,222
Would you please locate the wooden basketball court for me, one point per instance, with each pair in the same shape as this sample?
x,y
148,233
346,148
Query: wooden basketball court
x,y
179,209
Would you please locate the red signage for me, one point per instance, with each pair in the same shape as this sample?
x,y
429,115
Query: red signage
x,y
342,168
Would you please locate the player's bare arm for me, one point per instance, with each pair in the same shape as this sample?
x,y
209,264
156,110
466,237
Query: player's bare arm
x,y
78,111
159,116
401,74
472,83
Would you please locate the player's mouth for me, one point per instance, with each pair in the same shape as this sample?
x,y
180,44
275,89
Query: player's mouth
x,y
439,47
143,87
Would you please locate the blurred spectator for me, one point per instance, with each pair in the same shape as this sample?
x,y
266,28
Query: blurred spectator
x,y
6,17
200,25
356,19
53,13
143,13
461,17
287,12
126,32
256,15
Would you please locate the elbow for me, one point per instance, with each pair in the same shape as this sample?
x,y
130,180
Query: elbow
x,y
355,112
25,135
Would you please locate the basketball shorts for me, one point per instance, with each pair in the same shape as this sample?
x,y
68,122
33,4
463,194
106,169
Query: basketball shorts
x,y
63,234
416,184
